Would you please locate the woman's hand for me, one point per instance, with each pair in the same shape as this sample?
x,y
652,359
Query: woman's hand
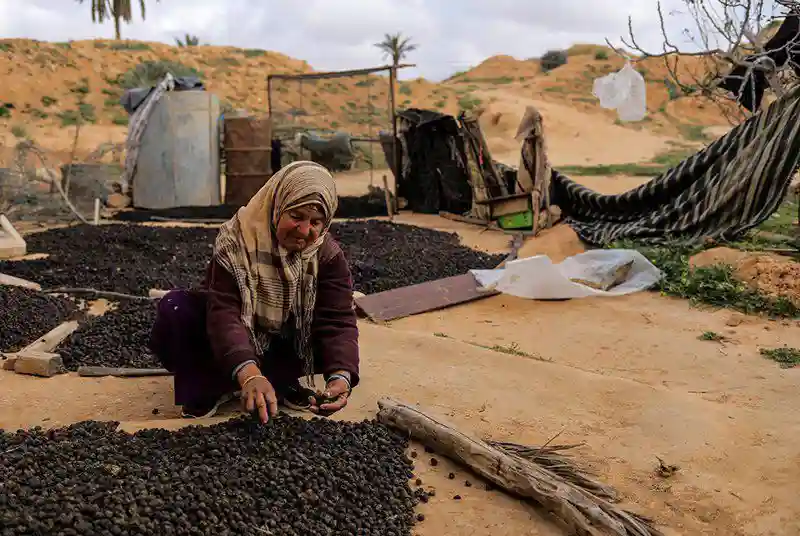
x,y
337,391
257,393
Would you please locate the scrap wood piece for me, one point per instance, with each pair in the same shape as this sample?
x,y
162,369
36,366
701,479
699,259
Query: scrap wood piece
x,y
37,358
423,297
120,372
11,242
12,281
586,509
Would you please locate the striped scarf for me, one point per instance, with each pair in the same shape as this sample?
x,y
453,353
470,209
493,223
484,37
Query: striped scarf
x,y
276,284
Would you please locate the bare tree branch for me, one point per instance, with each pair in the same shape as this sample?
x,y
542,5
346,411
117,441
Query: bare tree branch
x,y
725,35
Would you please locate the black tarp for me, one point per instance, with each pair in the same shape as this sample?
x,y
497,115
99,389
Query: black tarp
x,y
133,98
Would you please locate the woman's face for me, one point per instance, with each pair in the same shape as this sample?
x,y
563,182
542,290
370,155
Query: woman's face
x,y
299,227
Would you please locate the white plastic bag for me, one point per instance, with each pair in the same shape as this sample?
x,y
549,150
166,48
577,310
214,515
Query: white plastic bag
x,y
623,90
538,278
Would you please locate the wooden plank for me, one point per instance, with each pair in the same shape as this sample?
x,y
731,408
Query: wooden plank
x,y
510,206
38,358
50,340
11,242
421,298
120,372
12,281
44,364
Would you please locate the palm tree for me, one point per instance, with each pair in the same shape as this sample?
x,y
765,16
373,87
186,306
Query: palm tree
x,y
188,41
114,9
396,47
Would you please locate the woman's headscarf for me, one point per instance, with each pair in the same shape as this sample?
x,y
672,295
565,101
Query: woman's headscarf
x,y
274,283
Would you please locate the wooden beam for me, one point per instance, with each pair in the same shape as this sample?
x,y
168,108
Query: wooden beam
x,y
336,74
11,242
12,281
38,358
120,372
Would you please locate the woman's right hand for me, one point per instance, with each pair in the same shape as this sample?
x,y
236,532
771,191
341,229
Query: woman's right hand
x,y
257,393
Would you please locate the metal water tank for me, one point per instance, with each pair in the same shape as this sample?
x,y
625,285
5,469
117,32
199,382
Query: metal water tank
x,y
178,161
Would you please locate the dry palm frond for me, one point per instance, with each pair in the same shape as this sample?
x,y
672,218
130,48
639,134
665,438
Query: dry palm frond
x,y
550,457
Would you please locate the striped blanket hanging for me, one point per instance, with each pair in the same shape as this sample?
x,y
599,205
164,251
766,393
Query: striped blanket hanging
x,y
732,185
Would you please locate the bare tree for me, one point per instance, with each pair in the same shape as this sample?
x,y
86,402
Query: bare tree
x,y
733,52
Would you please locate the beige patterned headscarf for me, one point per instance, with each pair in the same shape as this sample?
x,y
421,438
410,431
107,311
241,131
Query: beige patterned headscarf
x,y
274,283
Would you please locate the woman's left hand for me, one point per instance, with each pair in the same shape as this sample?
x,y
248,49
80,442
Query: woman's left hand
x,y
337,391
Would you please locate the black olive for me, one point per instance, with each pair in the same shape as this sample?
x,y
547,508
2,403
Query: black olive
x,y
237,477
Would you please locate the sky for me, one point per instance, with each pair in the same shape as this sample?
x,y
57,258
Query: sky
x,y
452,35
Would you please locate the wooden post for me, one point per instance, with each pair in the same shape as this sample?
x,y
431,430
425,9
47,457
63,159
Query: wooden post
x,y
269,95
388,197
392,106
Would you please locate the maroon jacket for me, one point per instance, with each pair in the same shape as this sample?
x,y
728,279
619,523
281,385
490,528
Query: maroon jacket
x,y
334,330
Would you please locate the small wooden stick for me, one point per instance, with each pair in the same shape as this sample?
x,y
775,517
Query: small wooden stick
x,y
120,372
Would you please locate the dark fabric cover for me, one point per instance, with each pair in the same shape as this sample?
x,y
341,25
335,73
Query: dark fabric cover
x,y
783,47
729,187
434,176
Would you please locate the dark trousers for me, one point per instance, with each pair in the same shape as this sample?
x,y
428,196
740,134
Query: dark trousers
x,y
179,339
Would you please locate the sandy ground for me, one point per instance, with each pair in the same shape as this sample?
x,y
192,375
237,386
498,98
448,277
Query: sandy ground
x,y
573,137
628,376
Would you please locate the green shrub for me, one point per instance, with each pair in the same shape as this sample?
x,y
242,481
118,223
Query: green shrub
x,y
553,59
149,73
129,46
253,52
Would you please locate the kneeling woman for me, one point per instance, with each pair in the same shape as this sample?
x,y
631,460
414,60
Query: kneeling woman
x,y
276,306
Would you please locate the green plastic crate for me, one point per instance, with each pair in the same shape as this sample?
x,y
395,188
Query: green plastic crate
x,y
518,220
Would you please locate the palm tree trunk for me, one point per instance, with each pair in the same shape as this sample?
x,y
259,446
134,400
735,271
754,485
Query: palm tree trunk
x,y
117,33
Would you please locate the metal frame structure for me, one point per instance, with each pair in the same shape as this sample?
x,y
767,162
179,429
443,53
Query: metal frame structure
x,y
344,74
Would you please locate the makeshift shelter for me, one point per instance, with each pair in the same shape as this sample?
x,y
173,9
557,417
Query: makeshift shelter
x,y
445,164
729,187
